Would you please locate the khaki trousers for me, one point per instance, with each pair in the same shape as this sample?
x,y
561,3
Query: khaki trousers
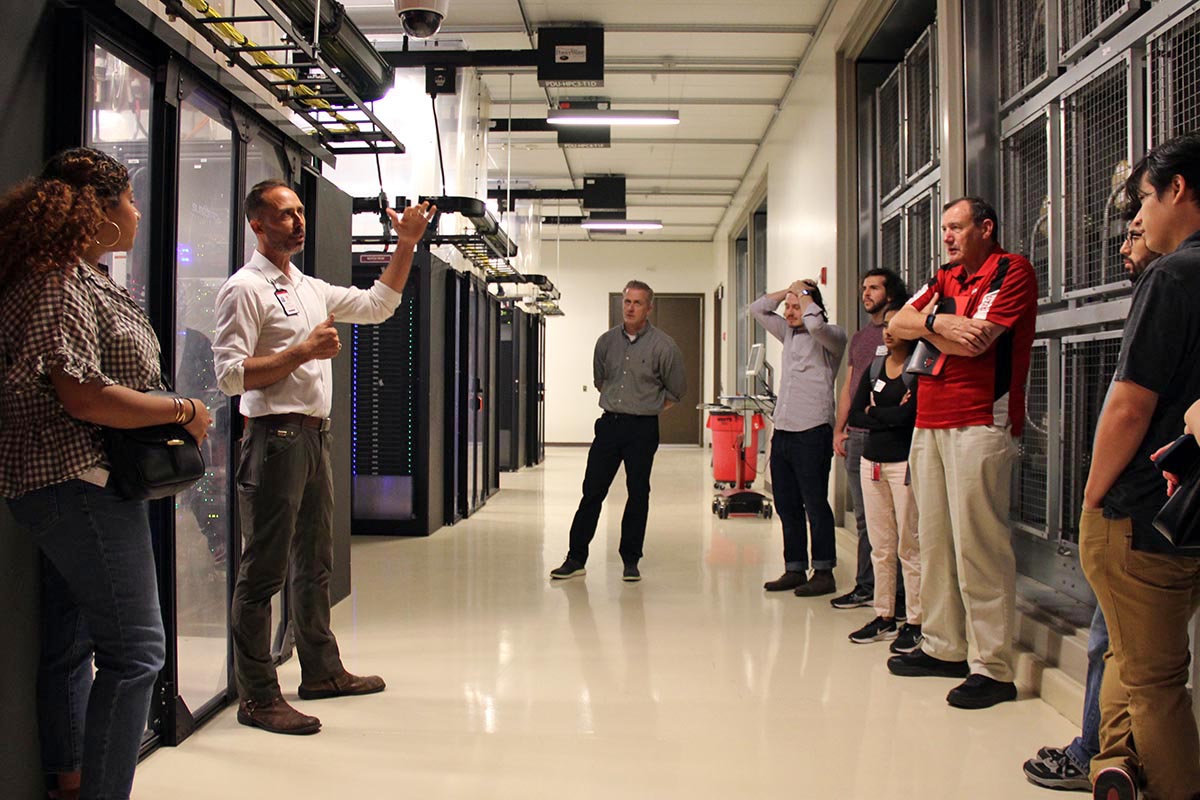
x,y
1148,601
891,512
962,479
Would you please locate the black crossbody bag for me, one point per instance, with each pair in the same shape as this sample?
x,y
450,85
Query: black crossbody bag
x,y
152,462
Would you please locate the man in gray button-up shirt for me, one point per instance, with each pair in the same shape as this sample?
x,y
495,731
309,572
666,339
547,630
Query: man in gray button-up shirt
x,y
802,445
638,370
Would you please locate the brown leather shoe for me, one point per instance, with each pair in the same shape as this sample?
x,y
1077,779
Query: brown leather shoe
x,y
787,582
820,583
276,716
340,685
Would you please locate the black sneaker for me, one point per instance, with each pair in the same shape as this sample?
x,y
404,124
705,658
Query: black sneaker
x,y
1115,783
980,691
909,640
1056,771
856,599
787,581
877,630
820,583
1051,752
569,569
918,664
631,574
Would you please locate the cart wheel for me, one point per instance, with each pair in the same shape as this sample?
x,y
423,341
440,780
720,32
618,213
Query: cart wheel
x,y
723,512
768,511
747,485
715,505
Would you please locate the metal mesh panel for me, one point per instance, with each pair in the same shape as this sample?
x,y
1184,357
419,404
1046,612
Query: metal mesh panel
x,y
1032,469
1087,372
1077,19
1025,197
888,98
1175,72
890,244
1023,58
918,100
920,241
1096,163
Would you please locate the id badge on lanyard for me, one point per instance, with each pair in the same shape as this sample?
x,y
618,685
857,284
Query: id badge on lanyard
x,y
286,302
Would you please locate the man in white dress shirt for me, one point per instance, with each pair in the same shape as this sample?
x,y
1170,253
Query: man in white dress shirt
x,y
274,339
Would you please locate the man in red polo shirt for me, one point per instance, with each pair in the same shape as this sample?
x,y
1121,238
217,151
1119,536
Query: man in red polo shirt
x,y
979,311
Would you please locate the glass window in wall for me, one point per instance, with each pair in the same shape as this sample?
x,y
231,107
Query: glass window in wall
x,y
264,160
202,515
118,123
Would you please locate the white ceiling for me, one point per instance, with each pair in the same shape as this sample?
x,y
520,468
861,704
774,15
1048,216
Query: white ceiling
x,y
723,66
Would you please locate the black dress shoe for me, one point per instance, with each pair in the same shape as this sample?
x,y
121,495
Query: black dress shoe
x,y
918,664
820,583
980,691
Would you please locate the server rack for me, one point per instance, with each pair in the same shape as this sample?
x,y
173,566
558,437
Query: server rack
x,y
471,432
398,414
535,425
514,387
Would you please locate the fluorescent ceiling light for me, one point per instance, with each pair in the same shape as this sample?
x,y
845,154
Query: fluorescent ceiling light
x,y
608,116
621,224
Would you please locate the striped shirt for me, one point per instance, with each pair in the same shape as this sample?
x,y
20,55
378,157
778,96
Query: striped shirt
x,y
78,320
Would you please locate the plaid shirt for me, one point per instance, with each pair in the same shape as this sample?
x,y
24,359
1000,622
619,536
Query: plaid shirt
x,y
80,321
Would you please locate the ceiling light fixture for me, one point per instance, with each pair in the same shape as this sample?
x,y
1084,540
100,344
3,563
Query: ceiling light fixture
x,y
608,116
621,224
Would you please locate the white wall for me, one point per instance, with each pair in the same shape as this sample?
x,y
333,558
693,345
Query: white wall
x,y
586,272
799,162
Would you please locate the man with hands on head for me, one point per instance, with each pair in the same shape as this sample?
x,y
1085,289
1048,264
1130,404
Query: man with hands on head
x,y
802,445
273,343
980,311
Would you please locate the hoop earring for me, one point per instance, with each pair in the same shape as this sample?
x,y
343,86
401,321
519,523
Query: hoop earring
x,y
116,239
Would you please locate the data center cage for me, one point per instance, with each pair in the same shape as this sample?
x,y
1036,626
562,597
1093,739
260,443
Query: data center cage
x,y
1119,78
907,165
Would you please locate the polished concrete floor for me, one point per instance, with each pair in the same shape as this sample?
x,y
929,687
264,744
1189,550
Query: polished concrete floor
x,y
692,684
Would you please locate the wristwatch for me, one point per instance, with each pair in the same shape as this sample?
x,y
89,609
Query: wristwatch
x,y
929,322
805,292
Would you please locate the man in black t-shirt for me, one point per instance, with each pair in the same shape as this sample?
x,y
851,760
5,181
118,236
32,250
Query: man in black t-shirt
x,y
1147,591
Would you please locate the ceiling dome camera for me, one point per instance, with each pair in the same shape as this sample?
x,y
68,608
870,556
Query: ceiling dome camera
x,y
421,18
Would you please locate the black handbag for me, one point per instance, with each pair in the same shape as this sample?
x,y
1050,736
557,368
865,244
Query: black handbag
x,y
152,462
1179,518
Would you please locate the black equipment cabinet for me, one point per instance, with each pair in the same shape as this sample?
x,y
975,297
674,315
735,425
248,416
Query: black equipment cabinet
x,y
398,407
522,381
514,387
535,381
471,312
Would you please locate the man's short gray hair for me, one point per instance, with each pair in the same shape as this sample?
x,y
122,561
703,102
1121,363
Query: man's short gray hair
x,y
645,287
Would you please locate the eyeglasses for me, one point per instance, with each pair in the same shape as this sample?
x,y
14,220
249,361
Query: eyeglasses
x,y
1133,236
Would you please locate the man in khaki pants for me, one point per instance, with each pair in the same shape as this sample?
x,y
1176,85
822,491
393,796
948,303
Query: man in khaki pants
x,y
979,314
1148,590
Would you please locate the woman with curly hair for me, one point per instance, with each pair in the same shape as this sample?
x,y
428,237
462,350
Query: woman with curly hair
x,y
76,356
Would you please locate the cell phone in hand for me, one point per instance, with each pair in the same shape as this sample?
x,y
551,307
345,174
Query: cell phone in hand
x,y
1180,456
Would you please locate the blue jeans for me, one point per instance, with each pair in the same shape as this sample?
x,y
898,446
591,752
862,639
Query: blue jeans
x,y
99,596
1087,743
800,463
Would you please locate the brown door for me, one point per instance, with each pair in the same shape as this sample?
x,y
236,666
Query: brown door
x,y
680,316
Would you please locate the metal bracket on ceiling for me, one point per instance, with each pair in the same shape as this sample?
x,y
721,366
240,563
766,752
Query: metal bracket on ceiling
x,y
310,84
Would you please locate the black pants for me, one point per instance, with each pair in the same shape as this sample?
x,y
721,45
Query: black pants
x,y
619,438
285,494
800,465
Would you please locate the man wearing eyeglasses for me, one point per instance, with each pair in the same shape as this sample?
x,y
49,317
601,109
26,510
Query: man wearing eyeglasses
x,y
1066,768
1146,589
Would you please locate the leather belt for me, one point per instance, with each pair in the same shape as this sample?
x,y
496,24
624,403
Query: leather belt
x,y
294,418
619,415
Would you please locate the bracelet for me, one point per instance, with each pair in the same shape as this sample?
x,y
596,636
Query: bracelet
x,y
193,416
178,410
